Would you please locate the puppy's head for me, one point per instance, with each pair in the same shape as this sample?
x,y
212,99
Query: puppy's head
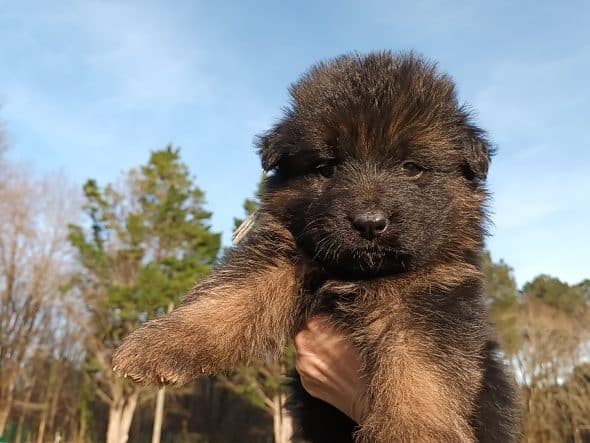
x,y
376,168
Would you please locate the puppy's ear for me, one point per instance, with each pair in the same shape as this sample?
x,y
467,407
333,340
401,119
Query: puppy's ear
x,y
477,153
273,145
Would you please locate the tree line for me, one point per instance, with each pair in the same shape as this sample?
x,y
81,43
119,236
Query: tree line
x,y
78,271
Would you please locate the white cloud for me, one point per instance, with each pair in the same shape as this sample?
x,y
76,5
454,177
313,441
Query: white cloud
x,y
142,54
96,79
541,176
528,97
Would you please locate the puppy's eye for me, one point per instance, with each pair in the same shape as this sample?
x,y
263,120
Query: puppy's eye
x,y
326,169
413,170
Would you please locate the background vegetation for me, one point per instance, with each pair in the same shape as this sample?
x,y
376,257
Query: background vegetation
x,y
78,271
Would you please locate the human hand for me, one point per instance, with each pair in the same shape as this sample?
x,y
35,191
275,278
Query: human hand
x,y
329,367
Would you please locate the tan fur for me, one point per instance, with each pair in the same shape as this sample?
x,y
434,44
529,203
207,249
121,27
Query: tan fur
x,y
218,325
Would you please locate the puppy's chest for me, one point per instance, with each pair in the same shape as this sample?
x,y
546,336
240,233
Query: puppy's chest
x,y
352,305
387,305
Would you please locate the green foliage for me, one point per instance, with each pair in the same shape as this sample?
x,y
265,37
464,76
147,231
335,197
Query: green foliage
x,y
260,382
504,302
554,292
149,240
584,288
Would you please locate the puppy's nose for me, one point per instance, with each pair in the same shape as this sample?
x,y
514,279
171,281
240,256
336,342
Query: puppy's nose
x,y
370,224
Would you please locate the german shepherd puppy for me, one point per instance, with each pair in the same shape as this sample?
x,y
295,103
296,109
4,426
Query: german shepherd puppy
x,y
374,215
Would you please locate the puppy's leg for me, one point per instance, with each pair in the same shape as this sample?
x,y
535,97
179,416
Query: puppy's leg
x,y
414,398
424,362
247,308
316,421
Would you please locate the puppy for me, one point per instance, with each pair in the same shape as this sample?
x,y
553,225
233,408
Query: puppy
x,y
374,215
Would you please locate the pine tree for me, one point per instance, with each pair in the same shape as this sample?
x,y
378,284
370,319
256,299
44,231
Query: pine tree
x,y
503,298
149,240
554,292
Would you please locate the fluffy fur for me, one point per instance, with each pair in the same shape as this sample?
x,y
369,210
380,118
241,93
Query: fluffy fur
x,y
373,215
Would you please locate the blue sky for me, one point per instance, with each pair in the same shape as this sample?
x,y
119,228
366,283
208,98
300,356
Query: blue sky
x,y
90,87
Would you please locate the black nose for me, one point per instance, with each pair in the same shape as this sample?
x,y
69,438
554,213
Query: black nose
x,y
370,224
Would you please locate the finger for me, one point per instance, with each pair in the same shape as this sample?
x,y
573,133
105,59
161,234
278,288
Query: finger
x,y
318,323
302,340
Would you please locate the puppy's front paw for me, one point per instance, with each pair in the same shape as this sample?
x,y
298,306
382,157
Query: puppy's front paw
x,y
149,356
